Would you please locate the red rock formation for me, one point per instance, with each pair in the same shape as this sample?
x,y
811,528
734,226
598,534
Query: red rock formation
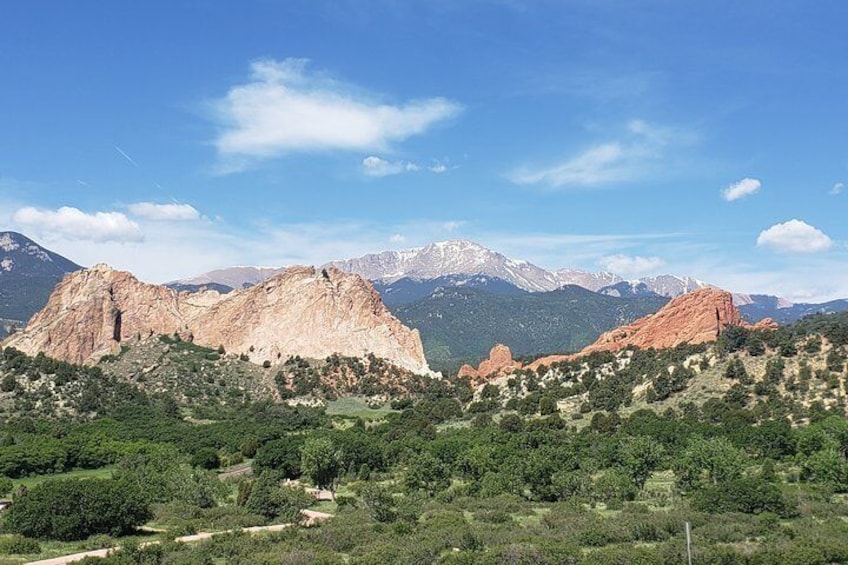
x,y
499,361
765,324
299,312
697,317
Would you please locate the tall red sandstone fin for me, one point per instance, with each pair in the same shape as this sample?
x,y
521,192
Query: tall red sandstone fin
x,y
500,361
696,317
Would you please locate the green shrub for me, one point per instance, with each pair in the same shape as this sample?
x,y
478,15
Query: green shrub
x,y
274,501
19,545
492,516
206,458
749,495
6,486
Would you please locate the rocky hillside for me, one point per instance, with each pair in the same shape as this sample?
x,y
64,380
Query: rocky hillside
x,y
461,324
28,273
697,317
299,312
797,372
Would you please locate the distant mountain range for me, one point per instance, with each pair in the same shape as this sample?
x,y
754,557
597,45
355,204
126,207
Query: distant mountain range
x,y
28,273
462,296
462,257
408,275
457,257
227,279
783,312
662,285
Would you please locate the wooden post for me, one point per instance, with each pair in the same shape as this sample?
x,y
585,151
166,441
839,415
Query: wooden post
x,y
688,544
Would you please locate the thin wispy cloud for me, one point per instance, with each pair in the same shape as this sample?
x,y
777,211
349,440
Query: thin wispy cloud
x,y
374,166
164,212
837,188
741,188
287,108
72,223
794,236
631,158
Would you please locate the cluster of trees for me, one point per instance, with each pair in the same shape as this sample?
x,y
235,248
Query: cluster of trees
x,y
73,509
368,376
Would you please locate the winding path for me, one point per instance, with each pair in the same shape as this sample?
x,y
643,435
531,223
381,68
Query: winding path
x,y
312,517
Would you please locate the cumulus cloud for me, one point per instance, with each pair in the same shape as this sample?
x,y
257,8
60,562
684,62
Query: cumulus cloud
x,y
286,108
73,223
630,265
630,158
744,187
376,167
164,212
794,236
837,188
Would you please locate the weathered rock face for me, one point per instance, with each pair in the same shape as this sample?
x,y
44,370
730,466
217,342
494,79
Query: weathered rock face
x,y
499,361
299,312
696,317
313,314
90,312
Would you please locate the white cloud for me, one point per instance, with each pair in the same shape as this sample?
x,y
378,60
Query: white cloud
x,y
794,236
438,167
744,187
630,158
630,265
598,165
285,108
164,212
837,188
397,238
73,223
376,167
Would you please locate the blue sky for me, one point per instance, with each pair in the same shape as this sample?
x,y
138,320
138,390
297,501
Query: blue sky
x,y
169,138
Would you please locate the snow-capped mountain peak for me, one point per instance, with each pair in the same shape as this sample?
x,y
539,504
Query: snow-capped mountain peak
x,y
19,252
16,246
458,256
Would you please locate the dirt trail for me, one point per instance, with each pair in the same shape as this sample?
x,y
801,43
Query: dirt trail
x,y
312,517
236,471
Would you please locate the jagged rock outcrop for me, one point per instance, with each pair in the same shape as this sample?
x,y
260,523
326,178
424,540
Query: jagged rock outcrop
x,y
302,312
312,313
696,317
500,360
